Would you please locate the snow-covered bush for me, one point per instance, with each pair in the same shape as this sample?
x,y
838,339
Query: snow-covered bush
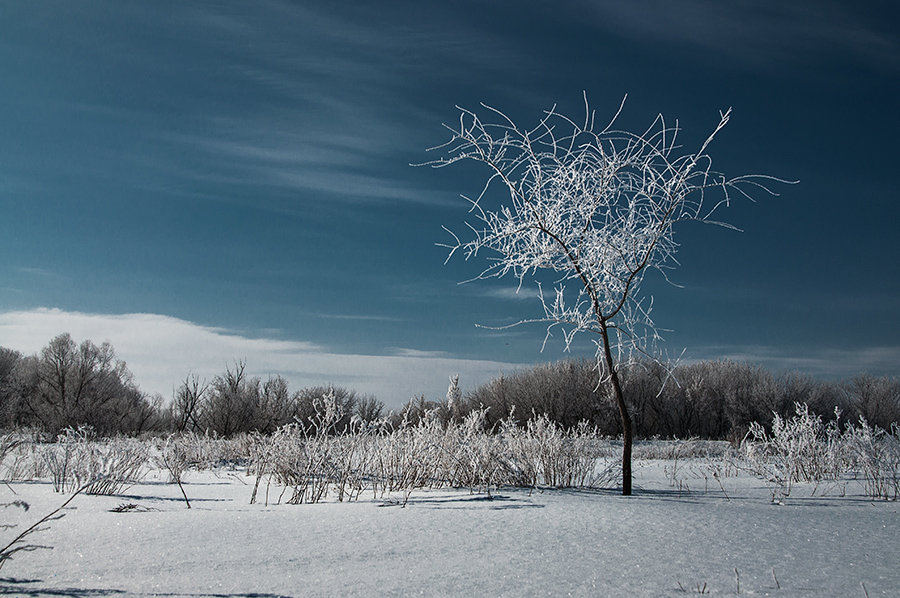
x,y
25,460
564,458
804,449
76,460
19,459
312,462
876,453
175,456
799,449
314,456
113,465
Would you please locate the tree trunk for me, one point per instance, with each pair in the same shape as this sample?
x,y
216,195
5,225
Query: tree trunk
x,y
627,431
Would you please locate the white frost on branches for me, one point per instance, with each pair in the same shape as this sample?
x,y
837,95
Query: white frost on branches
x,y
592,206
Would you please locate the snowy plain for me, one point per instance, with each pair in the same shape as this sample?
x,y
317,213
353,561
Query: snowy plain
x,y
680,534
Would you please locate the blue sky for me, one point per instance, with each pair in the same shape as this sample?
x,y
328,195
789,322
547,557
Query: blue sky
x,y
199,182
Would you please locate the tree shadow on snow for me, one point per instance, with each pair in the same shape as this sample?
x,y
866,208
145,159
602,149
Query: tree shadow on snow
x,y
149,497
642,493
493,502
23,587
20,587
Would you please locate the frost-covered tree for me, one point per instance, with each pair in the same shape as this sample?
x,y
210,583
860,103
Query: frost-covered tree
x,y
454,397
588,205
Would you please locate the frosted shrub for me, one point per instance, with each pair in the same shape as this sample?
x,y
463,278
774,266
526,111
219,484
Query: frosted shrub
x,y
411,455
475,456
208,451
314,457
316,460
65,457
20,457
799,449
564,459
803,449
876,454
521,463
114,465
77,461
8,442
300,463
176,455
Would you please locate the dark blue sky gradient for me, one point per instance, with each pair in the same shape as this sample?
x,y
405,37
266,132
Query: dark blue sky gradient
x,y
245,166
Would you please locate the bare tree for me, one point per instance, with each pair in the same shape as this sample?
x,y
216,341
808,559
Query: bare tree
x,y
591,206
83,384
368,408
9,397
275,407
188,403
230,406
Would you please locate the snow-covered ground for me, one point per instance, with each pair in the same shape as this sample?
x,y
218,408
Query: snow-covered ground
x,y
667,540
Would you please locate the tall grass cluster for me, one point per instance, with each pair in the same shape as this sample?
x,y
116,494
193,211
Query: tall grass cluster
x,y
380,458
804,448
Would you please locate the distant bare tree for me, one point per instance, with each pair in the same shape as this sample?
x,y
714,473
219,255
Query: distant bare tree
x,y
876,399
83,385
187,404
231,405
275,406
9,391
309,405
369,409
593,206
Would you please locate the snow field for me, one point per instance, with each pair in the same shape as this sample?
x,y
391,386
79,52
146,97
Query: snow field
x,y
668,539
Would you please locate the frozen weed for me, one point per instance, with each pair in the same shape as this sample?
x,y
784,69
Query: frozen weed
x,y
312,461
804,449
876,454
175,456
77,461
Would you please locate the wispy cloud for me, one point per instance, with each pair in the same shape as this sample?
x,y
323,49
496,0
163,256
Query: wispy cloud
x,y
358,317
162,350
403,352
334,107
39,272
823,362
510,293
755,32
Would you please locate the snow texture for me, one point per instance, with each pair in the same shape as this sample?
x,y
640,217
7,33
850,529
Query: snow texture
x,y
667,540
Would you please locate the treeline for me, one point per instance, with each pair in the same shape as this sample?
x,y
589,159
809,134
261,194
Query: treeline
x,y
708,399
70,385
67,385
234,403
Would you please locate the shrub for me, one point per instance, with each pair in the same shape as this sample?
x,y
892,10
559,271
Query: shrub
x,y
804,449
77,461
311,462
877,454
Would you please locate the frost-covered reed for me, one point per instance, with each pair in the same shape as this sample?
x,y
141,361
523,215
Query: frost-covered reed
x,y
313,462
805,449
